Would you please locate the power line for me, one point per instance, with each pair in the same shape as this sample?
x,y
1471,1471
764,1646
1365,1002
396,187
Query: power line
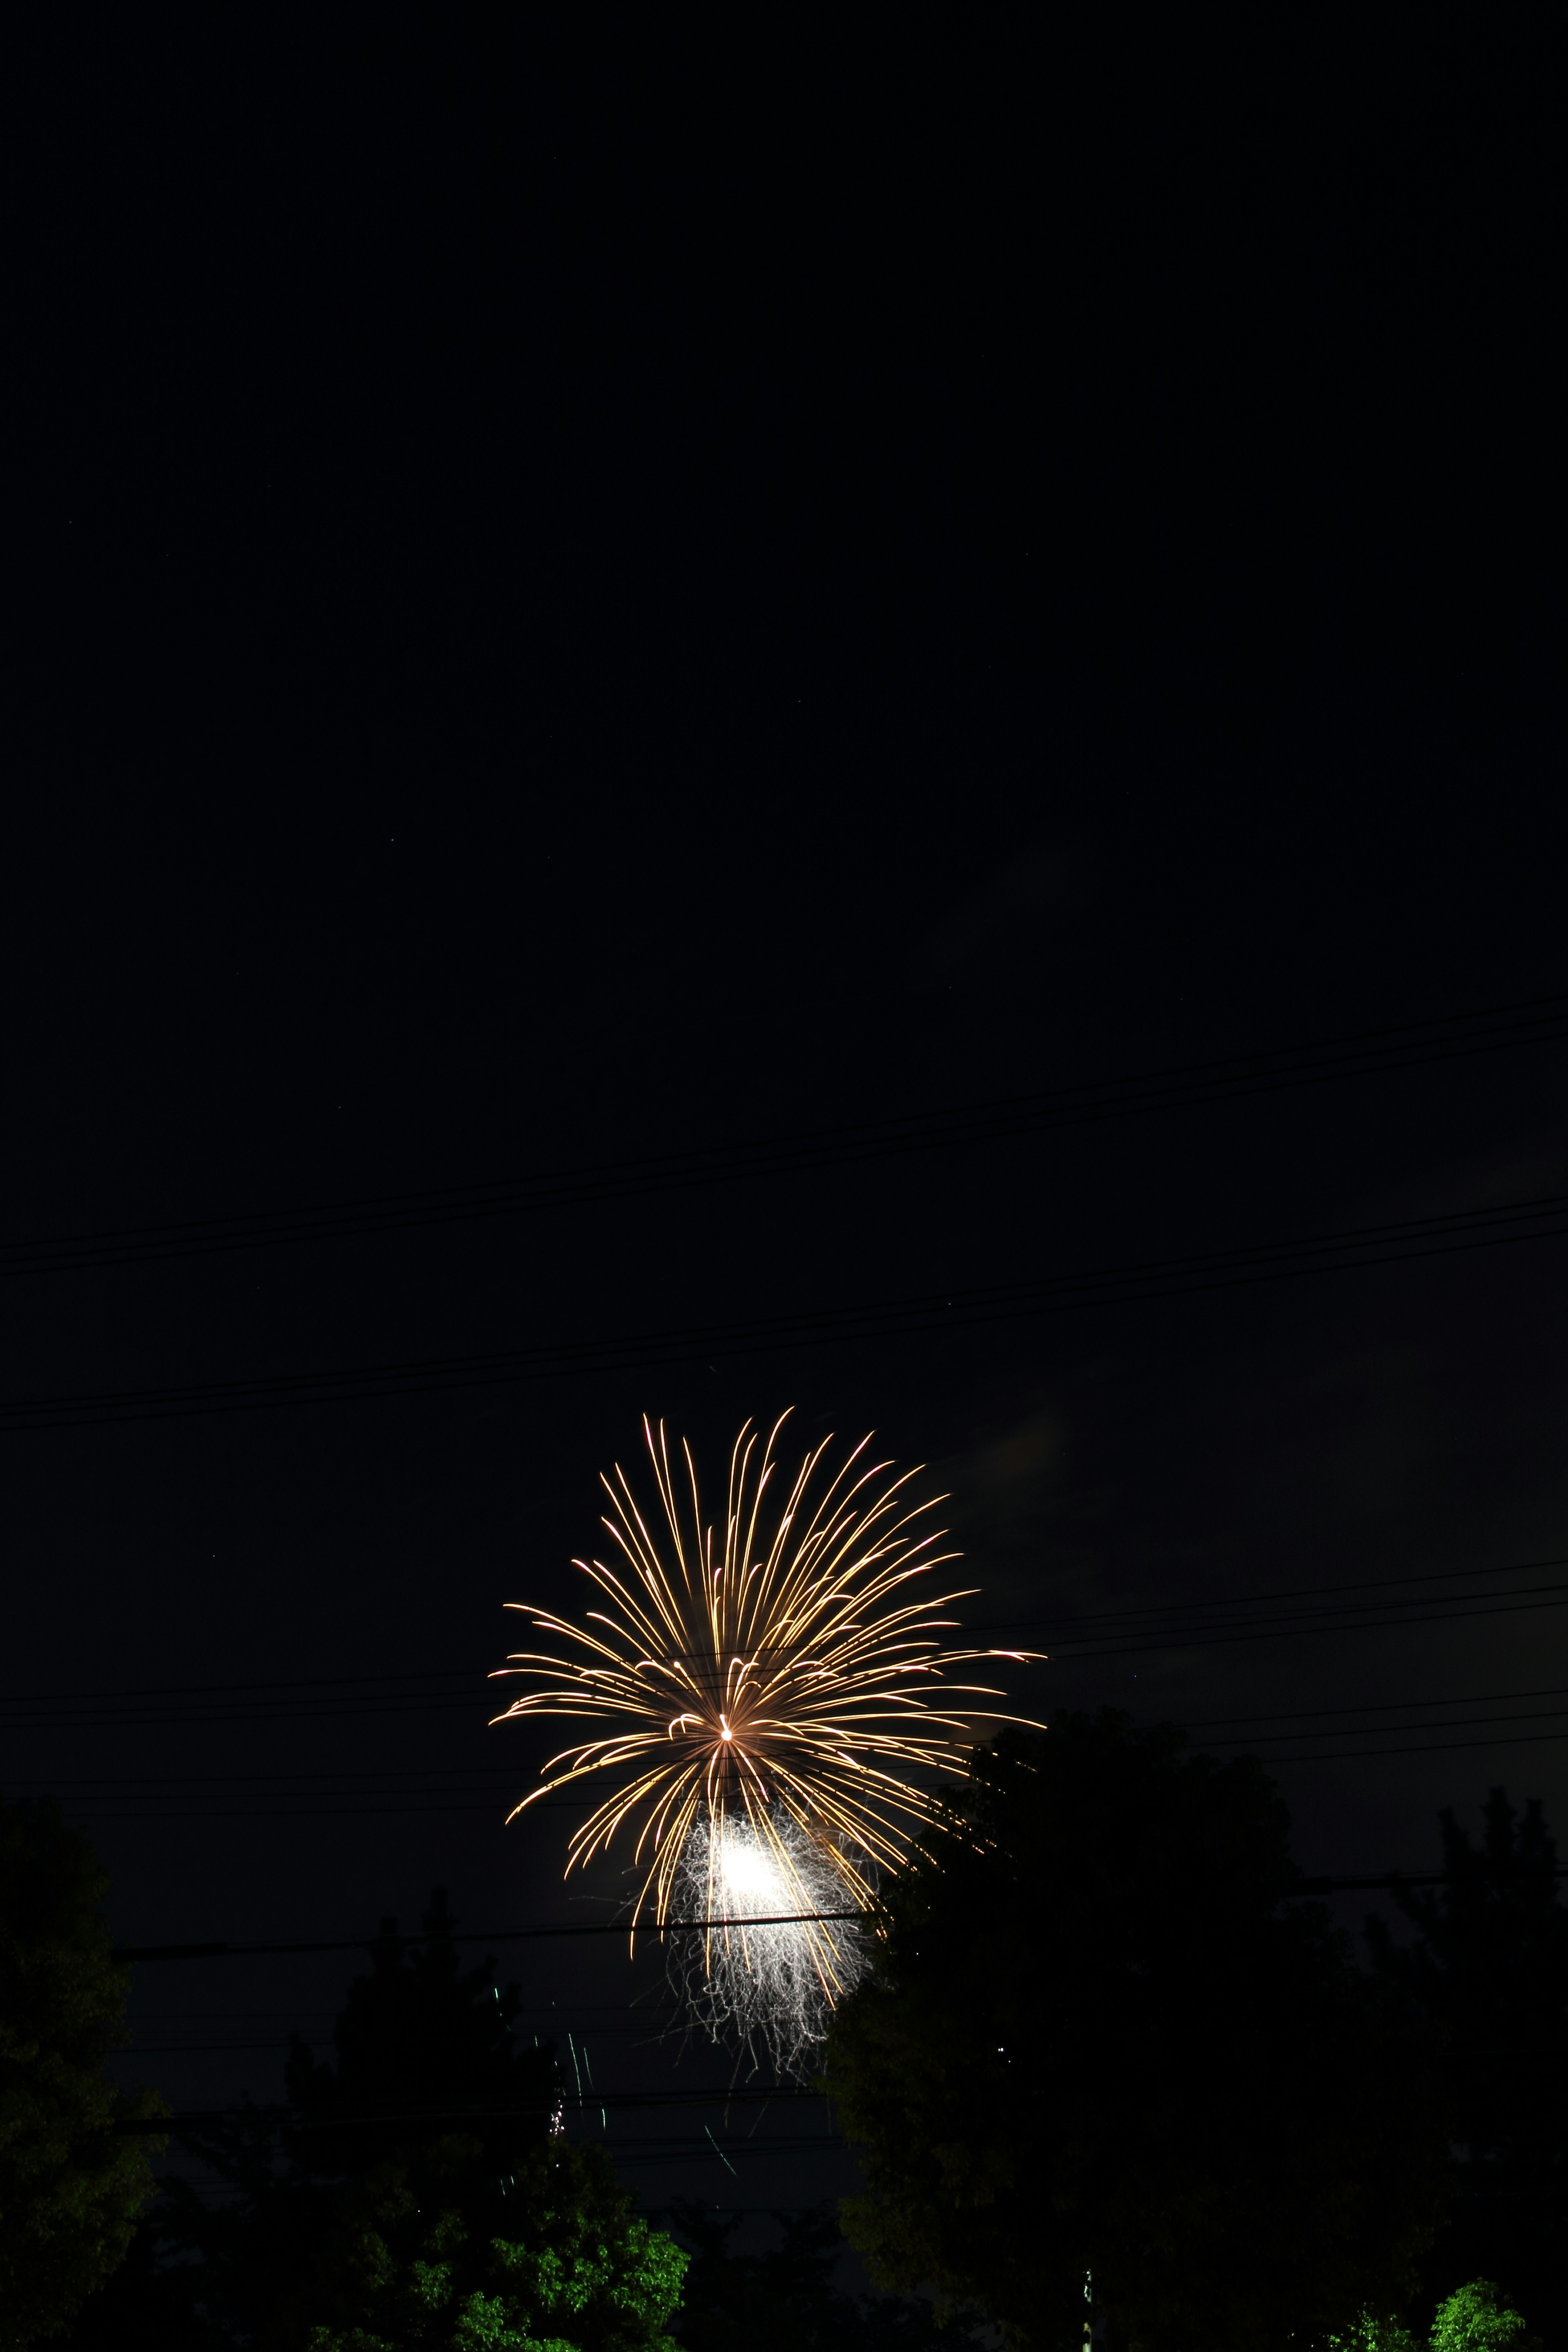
x,y
504,1773
214,2189
339,1805
1234,1077
126,1952
309,1681
1370,1730
736,2096
1063,1651
221,2049
1440,1748
646,2034
349,1712
654,2212
1213,1638
1289,1592
541,2011
1455,1231
1291,1889
328,1812
164,1780
473,1675
1371,1707
1437,1611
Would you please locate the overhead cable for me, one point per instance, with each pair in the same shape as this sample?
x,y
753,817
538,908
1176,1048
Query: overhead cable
x,y
351,1684
1233,1077
747,2094
957,1308
1289,1889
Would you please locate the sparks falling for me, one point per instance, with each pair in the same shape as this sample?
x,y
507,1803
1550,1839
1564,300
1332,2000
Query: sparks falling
x,y
778,1688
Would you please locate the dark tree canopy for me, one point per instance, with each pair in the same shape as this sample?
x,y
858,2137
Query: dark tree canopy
x,y
786,2296
1097,2041
1487,1966
414,2193
420,2037
551,2256
69,2188
429,2249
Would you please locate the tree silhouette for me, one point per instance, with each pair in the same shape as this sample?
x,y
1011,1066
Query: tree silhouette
x,y
1487,1966
69,2189
414,2192
1096,2040
785,2297
549,2257
419,2043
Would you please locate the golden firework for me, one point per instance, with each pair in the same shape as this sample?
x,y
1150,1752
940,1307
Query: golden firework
x,y
776,1672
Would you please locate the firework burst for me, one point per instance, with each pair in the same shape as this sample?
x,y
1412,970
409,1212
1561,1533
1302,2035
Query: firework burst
x,y
776,1691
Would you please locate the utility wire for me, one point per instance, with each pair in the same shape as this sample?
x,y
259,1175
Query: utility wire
x,y
1061,1653
1370,1706
741,2095
1233,1077
1292,1888
308,1805
647,2150
1372,1730
1213,1638
88,1812
491,1936
311,1682
1504,1223
163,1781
324,2041
1288,1592
473,1677
1366,1755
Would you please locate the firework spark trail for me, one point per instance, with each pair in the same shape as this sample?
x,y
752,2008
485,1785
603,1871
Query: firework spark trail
x,y
771,1690
762,1988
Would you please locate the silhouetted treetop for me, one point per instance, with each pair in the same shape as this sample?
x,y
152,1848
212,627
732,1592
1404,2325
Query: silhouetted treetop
x,y
1096,2039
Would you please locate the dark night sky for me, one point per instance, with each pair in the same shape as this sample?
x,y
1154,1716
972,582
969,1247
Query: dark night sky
x,y
572,603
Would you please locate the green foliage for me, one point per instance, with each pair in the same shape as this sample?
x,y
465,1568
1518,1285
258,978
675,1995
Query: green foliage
x,y
411,2272
414,2195
1368,2334
70,2187
1476,2319
1486,1968
1096,2041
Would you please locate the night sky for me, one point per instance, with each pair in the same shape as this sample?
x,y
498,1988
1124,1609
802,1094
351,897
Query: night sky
x,y
578,601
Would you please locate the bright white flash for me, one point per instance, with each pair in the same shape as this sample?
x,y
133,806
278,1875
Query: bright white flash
x,y
749,1878
770,1989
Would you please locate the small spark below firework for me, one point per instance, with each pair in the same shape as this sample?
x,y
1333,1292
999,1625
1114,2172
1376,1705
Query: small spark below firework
x,y
777,1691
